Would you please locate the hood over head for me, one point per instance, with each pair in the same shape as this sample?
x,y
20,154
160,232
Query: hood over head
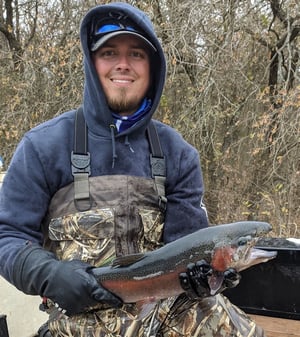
x,y
120,18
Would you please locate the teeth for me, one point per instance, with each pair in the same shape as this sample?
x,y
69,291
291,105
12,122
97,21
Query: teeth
x,y
122,81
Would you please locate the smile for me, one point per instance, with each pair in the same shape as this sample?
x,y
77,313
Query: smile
x,y
122,81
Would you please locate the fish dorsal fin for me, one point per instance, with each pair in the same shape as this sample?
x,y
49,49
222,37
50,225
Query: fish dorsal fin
x,y
124,261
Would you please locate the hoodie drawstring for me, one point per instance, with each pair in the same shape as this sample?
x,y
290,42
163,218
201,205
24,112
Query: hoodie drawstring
x,y
113,143
127,143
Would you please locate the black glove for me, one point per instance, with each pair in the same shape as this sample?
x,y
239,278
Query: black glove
x,y
195,281
69,284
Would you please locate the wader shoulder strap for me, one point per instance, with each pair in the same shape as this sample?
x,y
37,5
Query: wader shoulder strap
x,y
80,160
158,164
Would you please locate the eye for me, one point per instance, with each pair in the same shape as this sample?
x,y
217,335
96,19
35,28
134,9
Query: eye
x,y
107,53
244,240
138,54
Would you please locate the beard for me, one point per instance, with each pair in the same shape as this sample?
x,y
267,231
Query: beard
x,y
122,104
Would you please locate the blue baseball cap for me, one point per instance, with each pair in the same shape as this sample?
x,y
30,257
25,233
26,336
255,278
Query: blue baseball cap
x,y
108,30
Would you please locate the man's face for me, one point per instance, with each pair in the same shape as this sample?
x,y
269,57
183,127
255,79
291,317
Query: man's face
x,y
123,67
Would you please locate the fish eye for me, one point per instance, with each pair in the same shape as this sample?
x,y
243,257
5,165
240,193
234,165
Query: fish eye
x,y
244,240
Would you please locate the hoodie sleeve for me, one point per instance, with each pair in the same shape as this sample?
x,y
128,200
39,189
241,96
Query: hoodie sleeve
x,y
185,209
24,197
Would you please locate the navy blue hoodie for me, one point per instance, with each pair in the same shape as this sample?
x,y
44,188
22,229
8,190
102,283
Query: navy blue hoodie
x,y
41,163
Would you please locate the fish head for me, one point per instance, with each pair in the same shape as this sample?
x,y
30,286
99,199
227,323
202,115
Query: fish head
x,y
236,248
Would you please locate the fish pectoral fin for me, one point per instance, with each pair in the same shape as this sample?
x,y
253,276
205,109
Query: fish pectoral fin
x,y
145,307
127,260
215,282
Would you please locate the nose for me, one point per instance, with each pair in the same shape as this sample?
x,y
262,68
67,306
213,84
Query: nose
x,y
123,63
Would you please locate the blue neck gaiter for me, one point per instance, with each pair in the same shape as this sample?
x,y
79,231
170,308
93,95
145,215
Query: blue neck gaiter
x,y
125,122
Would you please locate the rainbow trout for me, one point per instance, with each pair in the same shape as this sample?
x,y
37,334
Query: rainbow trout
x,y
154,275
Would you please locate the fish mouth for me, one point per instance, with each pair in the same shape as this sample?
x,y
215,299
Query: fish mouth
x,y
256,256
247,255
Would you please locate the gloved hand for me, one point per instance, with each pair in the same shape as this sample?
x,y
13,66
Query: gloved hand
x,y
195,281
69,284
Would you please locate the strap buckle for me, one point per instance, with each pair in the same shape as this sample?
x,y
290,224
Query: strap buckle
x,y
158,166
81,170
81,163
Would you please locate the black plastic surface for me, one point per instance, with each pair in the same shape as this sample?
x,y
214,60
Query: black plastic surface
x,y
271,288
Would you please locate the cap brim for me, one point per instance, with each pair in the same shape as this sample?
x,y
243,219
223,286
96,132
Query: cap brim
x,y
108,36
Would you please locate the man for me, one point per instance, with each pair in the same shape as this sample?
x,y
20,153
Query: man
x,y
101,182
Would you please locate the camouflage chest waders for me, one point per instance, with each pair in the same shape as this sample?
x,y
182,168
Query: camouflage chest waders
x,y
125,219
